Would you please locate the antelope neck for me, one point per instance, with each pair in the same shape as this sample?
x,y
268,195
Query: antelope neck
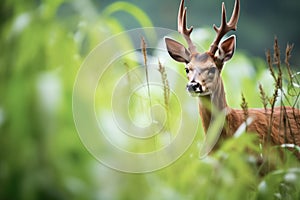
x,y
208,103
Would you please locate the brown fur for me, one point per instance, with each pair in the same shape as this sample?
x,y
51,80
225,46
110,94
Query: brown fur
x,y
281,127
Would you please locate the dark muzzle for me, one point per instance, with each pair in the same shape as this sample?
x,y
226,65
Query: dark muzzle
x,y
194,87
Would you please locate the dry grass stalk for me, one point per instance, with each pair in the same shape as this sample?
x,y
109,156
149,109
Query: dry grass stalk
x,y
165,83
288,53
287,122
275,60
144,52
270,64
263,97
166,90
272,102
278,80
276,56
244,106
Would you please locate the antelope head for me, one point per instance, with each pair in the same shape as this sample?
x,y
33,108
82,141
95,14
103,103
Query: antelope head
x,y
203,69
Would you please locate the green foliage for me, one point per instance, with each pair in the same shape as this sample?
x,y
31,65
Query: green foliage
x,y
43,45
280,184
131,9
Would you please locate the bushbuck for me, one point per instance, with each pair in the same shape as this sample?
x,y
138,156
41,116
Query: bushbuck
x,y
276,126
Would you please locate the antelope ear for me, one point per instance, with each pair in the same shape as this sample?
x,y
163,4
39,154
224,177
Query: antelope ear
x,y
226,49
177,51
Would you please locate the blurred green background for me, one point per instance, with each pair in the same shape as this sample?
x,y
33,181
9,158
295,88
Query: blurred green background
x,y
44,42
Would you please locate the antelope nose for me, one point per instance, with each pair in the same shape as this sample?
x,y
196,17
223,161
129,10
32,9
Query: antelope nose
x,y
194,87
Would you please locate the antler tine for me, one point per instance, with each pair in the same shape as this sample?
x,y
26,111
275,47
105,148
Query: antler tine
x,y
223,19
182,27
179,19
235,15
225,27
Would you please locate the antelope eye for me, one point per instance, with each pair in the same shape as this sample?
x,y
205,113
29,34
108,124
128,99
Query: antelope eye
x,y
212,70
187,70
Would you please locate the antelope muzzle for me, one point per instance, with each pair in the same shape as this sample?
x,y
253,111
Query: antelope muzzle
x,y
194,88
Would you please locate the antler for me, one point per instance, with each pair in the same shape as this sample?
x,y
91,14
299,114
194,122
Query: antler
x,y
225,27
183,30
